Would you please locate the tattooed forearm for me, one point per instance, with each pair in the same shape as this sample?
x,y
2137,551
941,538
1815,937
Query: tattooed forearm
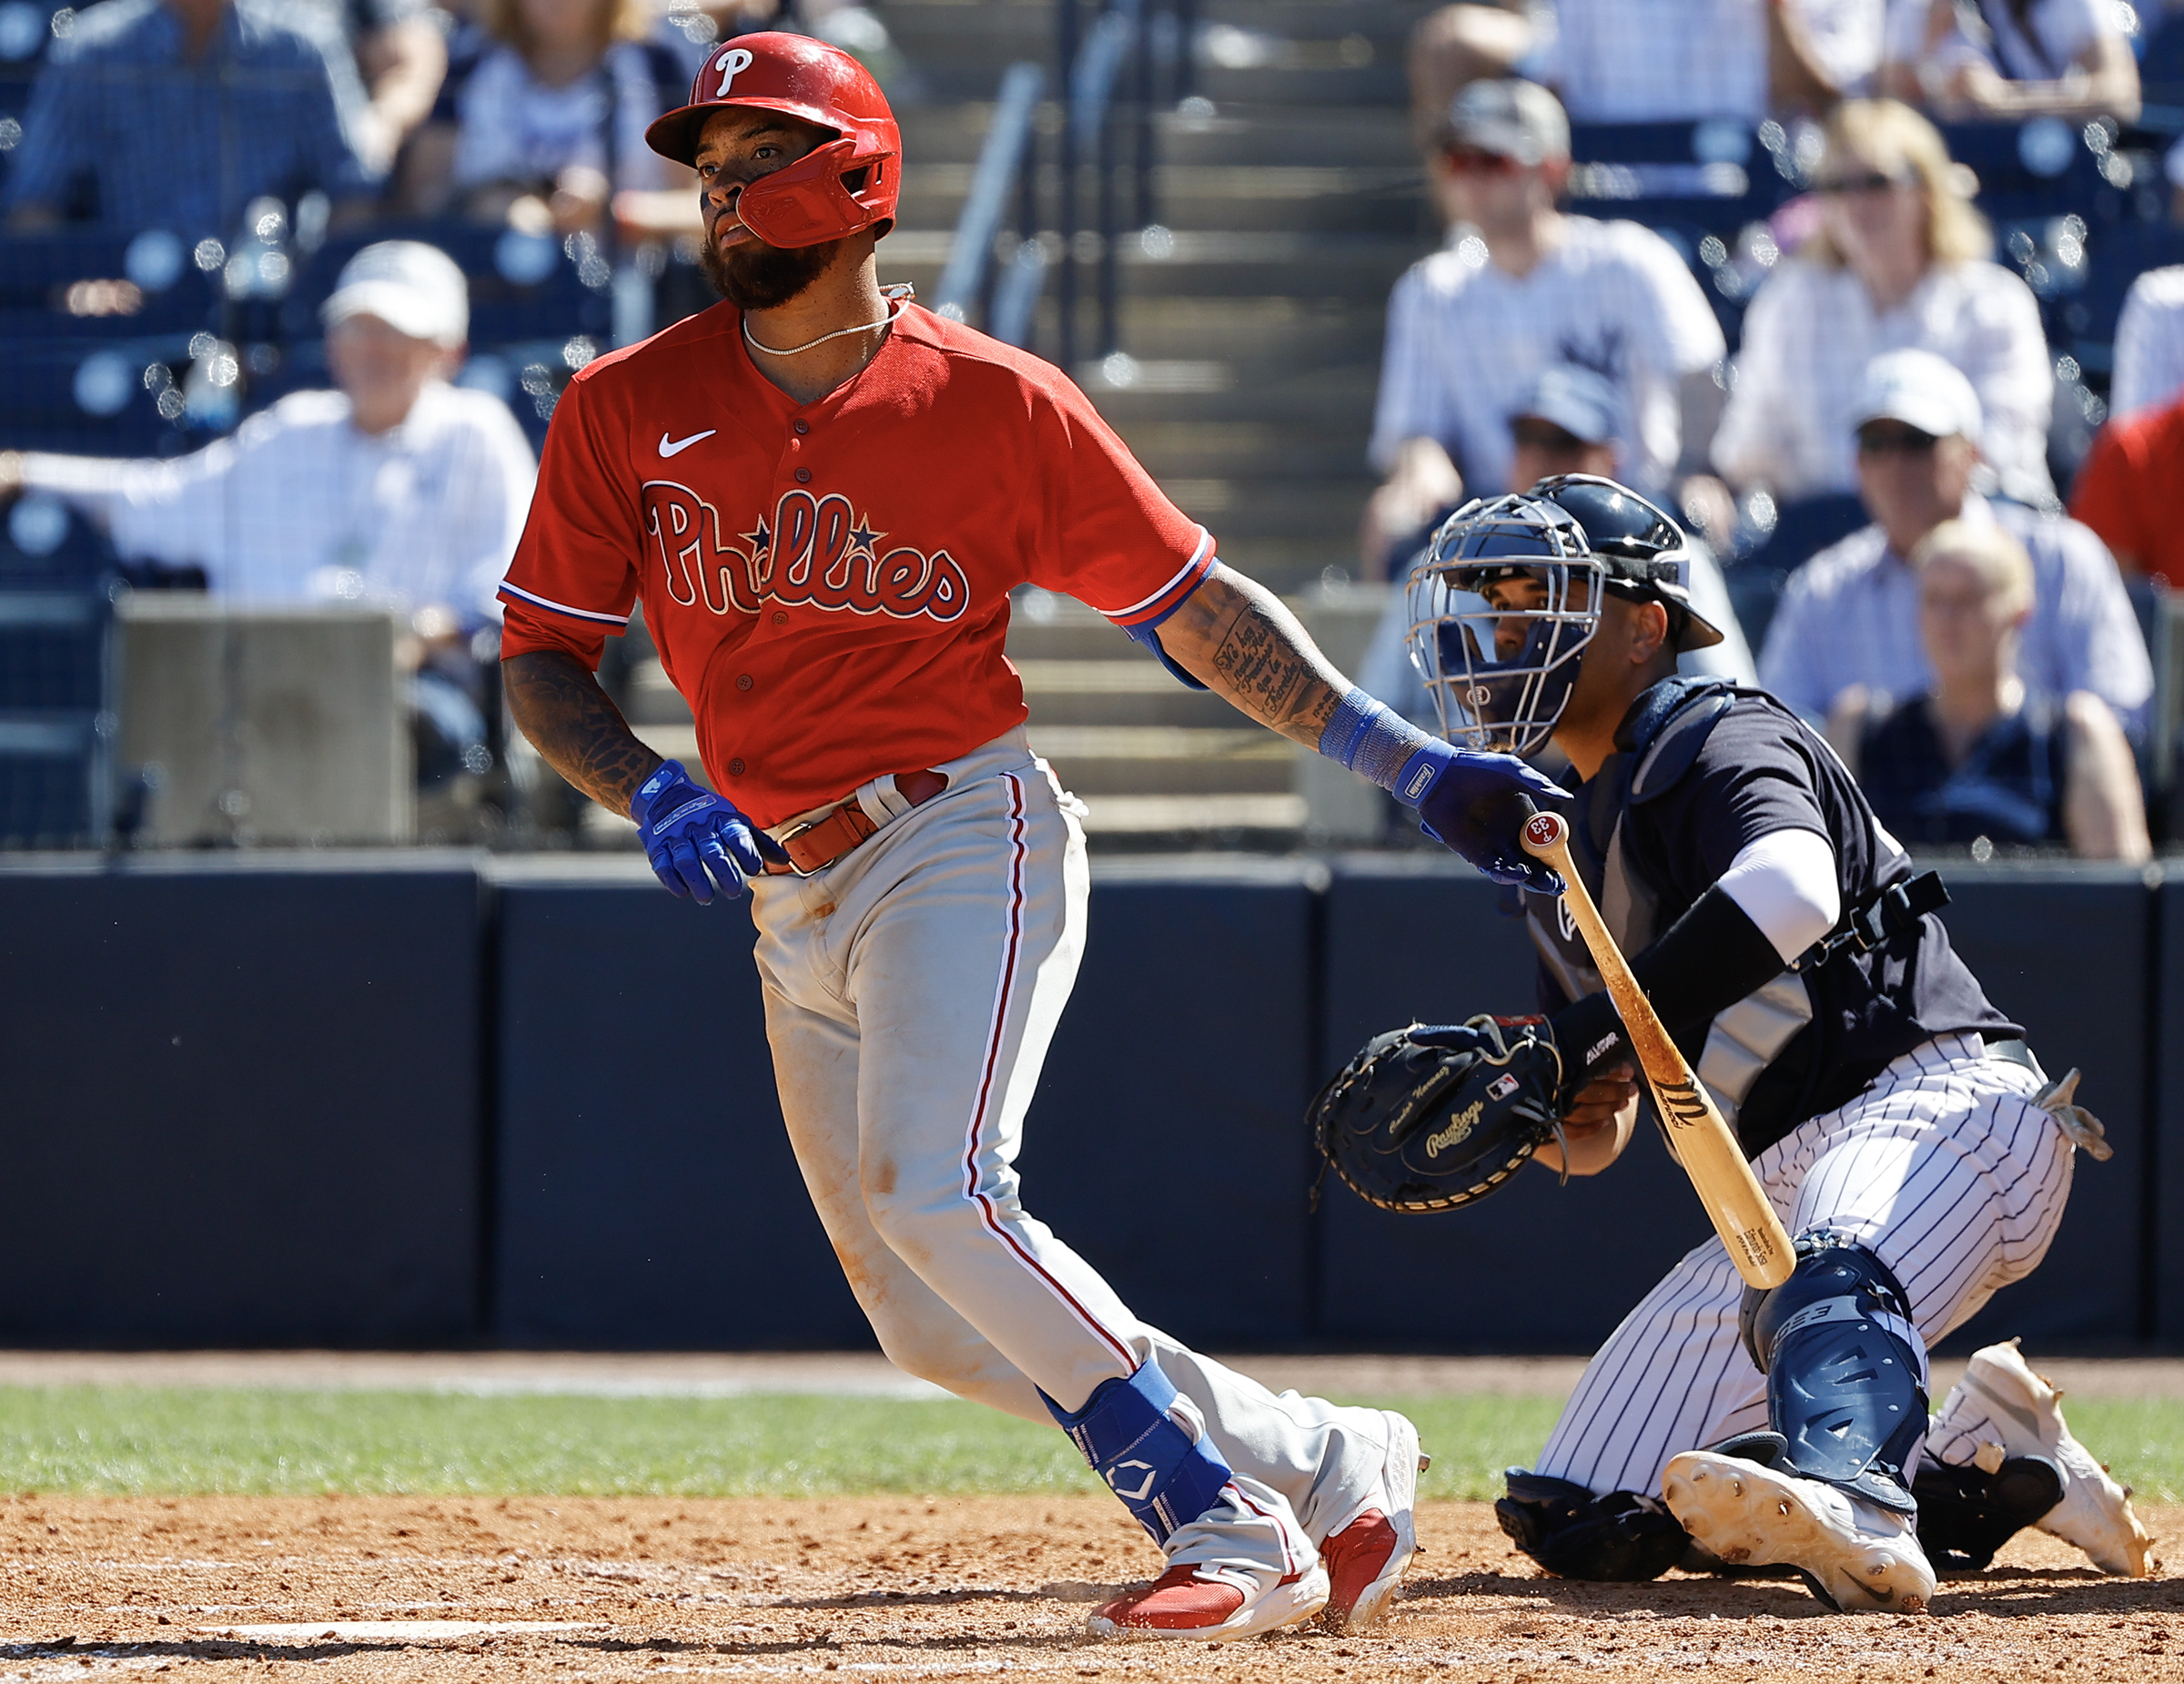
x,y
1264,670
573,723
1237,638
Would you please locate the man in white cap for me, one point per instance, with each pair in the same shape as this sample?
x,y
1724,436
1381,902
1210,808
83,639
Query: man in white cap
x,y
1850,615
397,489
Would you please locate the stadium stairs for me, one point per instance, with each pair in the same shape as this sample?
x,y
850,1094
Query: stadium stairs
x,y
1291,201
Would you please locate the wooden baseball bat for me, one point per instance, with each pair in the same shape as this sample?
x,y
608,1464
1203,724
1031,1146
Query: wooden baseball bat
x,y
1705,1144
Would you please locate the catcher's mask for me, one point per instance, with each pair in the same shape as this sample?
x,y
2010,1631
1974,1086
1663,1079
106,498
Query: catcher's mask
x,y
845,184
1579,535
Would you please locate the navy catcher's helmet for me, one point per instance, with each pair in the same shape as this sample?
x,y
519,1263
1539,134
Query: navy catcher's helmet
x,y
1500,675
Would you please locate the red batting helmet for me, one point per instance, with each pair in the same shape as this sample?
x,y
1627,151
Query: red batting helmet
x,y
840,186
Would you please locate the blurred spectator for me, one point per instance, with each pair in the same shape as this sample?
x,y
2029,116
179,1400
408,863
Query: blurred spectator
x,y
1850,615
177,113
2131,487
1900,261
401,52
2149,342
397,489
543,116
1652,61
1975,756
1566,423
1455,45
1970,60
694,30
1521,286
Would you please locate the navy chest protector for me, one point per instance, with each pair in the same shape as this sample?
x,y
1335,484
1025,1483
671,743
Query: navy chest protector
x,y
1663,740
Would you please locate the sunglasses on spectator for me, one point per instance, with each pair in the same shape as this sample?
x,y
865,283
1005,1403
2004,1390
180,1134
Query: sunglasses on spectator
x,y
1873,181
1895,440
1542,435
1473,161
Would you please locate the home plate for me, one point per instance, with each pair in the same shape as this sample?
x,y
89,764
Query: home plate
x,y
414,1630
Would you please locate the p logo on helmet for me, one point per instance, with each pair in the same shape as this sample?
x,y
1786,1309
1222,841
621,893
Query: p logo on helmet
x,y
842,187
731,64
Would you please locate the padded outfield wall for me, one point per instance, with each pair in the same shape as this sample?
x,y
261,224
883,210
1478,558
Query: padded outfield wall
x,y
435,1099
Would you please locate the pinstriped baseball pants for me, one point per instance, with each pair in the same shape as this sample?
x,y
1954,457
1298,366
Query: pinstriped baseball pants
x,y
912,990
1943,1168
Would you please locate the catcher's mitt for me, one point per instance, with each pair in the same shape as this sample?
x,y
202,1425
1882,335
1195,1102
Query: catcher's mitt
x,y
1433,1119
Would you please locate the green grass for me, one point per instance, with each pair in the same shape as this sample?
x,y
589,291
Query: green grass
x,y
147,1439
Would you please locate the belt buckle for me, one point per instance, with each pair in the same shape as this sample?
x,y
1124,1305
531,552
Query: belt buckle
x,y
789,835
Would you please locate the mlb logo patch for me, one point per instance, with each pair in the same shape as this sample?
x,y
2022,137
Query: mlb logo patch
x,y
1500,1087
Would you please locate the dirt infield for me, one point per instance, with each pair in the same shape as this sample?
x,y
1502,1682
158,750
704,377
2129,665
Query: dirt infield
x,y
383,1588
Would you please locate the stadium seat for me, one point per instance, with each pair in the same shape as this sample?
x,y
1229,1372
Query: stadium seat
x,y
2162,74
87,399
1717,175
56,701
2036,170
99,283
2117,255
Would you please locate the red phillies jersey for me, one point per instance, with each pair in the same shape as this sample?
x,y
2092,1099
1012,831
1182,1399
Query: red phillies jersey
x,y
828,583
2127,490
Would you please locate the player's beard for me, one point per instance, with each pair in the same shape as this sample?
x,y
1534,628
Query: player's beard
x,y
751,275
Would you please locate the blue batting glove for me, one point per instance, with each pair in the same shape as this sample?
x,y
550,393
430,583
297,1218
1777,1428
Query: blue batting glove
x,y
1474,802
689,833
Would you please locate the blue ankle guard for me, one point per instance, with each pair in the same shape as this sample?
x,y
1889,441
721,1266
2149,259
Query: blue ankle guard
x,y
1847,1369
1164,1476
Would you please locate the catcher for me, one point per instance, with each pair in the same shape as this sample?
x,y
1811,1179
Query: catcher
x,y
1895,1120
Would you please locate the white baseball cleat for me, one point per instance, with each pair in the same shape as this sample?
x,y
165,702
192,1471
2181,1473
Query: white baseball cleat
x,y
1856,1557
2003,1403
1366,1559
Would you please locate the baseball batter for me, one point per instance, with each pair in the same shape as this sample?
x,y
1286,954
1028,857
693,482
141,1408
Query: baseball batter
x,y
1895,1119
822,495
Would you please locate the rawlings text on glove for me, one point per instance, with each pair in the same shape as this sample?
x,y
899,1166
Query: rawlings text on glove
x,y
1435,1119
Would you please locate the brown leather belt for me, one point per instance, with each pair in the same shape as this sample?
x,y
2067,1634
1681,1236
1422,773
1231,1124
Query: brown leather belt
x,y
817,843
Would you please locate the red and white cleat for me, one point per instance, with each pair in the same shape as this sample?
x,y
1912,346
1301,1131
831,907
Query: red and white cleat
x,y
1365,1560
1211,1605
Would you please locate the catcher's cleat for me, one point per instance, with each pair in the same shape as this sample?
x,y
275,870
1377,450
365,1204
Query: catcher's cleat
x,y
1365,1559
1854,1556
1211,1604
2014,1412
1967,1513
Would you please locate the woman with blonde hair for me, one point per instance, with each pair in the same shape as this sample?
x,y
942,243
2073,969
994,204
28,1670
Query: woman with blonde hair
x,y
543,117
1899,262
1975,758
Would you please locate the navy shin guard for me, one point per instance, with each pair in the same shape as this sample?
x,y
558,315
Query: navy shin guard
x,y
1846,1370
1166,1473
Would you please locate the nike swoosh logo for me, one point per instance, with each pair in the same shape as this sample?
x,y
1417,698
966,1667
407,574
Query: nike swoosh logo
x,y
2024,1417
667,449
